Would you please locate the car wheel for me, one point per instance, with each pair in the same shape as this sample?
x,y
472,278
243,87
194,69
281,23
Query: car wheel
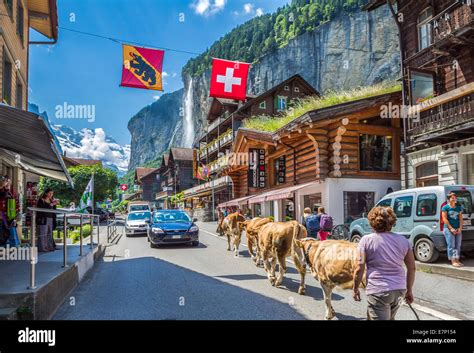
x,y
425,251
153,246
195,244
148,239
356,238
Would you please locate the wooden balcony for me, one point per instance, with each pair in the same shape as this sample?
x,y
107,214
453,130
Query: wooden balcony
x,y
444,118
453,24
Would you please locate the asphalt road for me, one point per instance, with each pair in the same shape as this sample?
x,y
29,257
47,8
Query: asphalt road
x,y
135,282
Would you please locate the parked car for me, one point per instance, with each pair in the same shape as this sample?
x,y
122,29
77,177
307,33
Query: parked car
x,y
137,223
172,227
138,206
101,212
419,219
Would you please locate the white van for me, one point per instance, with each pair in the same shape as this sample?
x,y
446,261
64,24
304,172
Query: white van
x,y
138,206
419,219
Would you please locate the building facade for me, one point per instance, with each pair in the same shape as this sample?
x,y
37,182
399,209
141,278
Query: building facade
x,y
344,158
437,49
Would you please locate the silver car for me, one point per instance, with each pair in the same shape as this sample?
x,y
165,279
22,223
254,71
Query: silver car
x,y
137,223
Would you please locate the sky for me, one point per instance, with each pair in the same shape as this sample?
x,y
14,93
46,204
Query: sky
x,y
85,70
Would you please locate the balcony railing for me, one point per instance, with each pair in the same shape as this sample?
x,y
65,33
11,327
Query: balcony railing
x,y
455,17
214,145
218,121
446,115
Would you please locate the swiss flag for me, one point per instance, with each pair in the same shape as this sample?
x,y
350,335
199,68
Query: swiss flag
x,y
229,79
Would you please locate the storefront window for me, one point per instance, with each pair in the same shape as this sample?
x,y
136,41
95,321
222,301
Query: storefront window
x,y
375,153
427,174
357,203
312,201
289,210
257,210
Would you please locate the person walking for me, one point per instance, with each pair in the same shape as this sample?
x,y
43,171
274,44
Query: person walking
x,y
325,224
452,230
311,221
46,221
384,253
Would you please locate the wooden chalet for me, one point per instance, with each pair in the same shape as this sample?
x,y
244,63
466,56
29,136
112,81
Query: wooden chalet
x,y
176,174
437,49
344,157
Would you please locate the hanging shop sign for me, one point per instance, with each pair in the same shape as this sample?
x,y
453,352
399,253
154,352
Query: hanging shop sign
x,y
256,173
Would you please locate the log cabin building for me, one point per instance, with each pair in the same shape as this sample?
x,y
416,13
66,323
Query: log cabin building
x,y
224,119
175,175
437,51
344,157
146,183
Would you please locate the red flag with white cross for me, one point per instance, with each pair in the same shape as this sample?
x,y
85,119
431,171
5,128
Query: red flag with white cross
x,y
229,79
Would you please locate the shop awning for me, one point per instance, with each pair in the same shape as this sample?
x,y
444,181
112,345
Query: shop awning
x,y
279,194
235,202
27,140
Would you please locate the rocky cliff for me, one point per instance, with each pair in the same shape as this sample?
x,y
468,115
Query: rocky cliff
x,y
155,128
353,50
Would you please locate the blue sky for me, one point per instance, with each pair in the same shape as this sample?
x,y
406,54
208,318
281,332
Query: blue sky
x,y
81,69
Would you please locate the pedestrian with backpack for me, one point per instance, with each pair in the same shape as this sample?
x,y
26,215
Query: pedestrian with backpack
x,y
325,224
311,222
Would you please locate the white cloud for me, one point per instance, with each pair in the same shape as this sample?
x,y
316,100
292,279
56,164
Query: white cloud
x,y
174,74
165,74
95,145
259,12
156,97
208,7
248,8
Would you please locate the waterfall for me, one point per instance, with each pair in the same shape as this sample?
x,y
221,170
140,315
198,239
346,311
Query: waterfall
x,y
188,123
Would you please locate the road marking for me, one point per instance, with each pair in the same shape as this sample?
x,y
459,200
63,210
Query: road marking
x,y
432,312
421,308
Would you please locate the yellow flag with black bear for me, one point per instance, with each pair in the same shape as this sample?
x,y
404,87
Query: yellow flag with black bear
x,y
142,67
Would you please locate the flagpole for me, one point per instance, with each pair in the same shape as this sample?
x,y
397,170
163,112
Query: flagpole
x,y
93,182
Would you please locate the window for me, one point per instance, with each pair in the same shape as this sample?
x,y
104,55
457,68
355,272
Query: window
x,y
403,206
287,88
7,79
19,96
385,203
470,169
427,174
289,210
422,86
9,5
20,22
357,203
425,34
375,153
263,105
297,89
312,201
426,205
281,103
464,200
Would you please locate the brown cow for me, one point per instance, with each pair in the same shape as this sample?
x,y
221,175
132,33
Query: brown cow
x,y
277,242
232,226
251,230
332,263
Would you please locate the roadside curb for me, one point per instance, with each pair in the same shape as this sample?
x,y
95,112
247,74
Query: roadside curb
x,y
446,271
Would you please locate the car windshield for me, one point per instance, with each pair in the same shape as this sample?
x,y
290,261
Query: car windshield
x,y
178,216
136,216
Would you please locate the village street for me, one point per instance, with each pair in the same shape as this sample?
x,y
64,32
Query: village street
x,y
134,281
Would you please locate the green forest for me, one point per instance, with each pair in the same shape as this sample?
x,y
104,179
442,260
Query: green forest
x,y
261,35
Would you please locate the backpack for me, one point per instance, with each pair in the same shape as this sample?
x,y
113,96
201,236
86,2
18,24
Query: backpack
x,y
326,223
312,223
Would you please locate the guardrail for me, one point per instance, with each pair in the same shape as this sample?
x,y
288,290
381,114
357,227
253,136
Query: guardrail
x,y
112,228
70,215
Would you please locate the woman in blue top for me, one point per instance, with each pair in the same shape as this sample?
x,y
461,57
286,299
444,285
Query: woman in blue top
x,y
452,218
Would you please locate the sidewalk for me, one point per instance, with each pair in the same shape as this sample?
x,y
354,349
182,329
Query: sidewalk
x,y
443,267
